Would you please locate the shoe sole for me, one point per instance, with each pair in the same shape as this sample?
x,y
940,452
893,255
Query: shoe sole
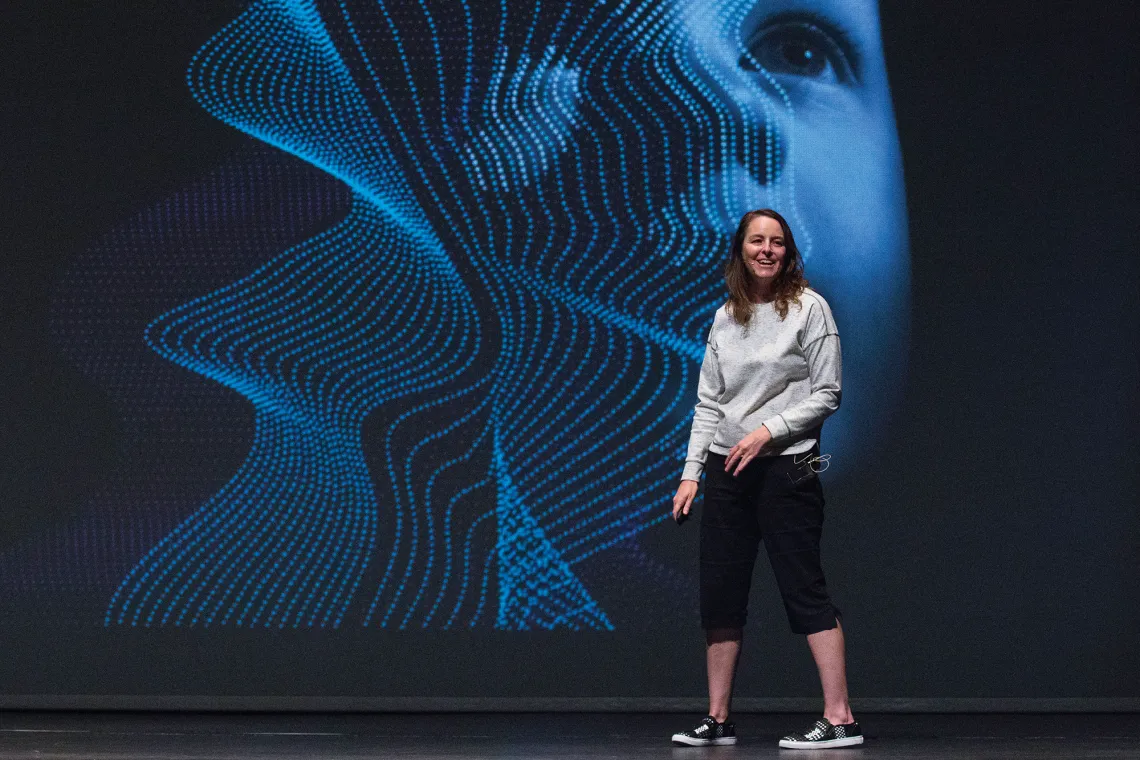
x,y
850,741
687,742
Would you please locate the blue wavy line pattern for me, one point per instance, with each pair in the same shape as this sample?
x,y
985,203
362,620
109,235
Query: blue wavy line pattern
x,y
483,376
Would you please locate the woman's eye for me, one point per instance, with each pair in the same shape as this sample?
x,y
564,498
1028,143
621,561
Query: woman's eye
x,y
801,48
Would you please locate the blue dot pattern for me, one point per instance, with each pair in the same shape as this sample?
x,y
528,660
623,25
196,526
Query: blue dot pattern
x,y
482,377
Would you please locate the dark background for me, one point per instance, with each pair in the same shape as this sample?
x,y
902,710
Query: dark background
x,y
1003,510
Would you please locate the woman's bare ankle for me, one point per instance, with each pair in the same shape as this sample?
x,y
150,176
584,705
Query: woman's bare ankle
x,y
839,717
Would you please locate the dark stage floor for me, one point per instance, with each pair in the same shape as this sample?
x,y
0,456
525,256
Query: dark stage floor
x,y
100,736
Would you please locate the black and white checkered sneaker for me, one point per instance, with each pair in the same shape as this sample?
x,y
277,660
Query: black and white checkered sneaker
x,y
707,733
822,735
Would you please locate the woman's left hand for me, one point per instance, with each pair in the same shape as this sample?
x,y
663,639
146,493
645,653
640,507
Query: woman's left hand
x,y
747,450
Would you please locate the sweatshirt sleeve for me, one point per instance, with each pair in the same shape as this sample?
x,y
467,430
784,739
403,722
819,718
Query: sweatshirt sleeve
x,y
821,348
706,414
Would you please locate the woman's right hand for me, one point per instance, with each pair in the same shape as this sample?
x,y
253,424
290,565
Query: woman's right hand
x,y
686,492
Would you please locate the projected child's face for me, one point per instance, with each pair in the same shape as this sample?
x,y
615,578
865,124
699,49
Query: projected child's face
x,y
686,114
803,84
807,81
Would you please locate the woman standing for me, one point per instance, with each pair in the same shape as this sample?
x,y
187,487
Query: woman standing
x,y
771,375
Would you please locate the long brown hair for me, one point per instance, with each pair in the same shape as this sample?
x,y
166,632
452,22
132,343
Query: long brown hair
x,y
788,284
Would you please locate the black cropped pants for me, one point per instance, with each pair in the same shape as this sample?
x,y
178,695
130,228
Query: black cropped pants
x,y
775,501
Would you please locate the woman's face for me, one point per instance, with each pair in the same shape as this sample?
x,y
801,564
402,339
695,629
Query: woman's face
x,y
763,250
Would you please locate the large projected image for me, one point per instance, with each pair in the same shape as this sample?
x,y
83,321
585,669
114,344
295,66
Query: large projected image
x,y
476,375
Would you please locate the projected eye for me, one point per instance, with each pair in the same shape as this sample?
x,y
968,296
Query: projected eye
x,y
799,47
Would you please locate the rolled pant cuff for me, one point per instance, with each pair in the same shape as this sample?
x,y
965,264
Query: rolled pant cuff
x,y
824,621
723,621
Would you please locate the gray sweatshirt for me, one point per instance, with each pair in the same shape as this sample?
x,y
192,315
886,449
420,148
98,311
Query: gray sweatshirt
x,y
783,374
